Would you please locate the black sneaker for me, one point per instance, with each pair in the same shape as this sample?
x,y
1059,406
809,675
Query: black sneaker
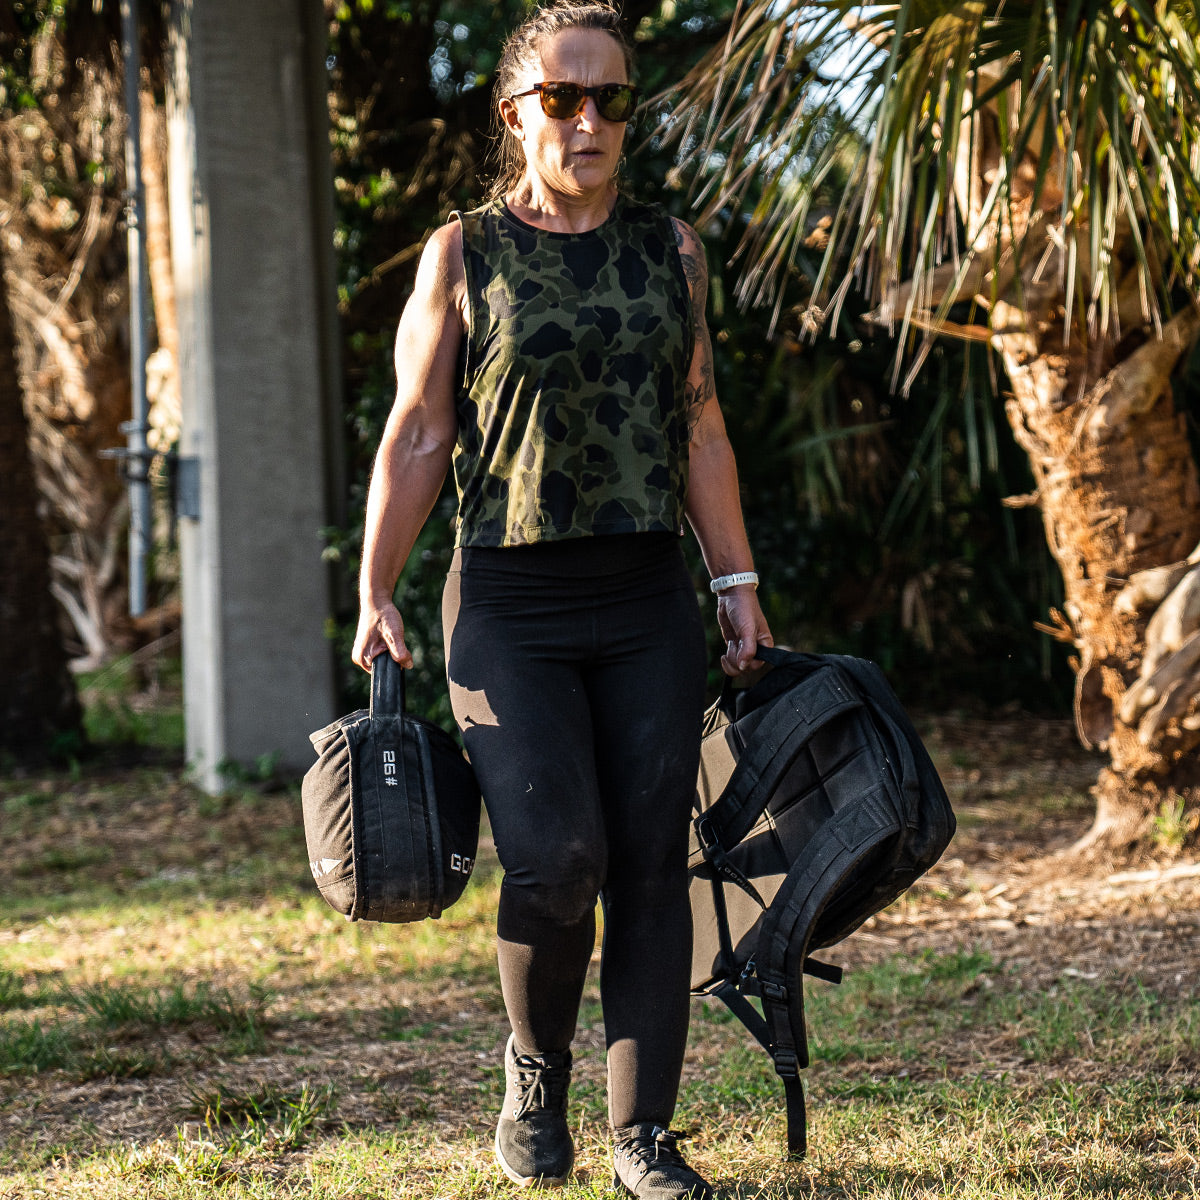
x,y
533,1143
648,1165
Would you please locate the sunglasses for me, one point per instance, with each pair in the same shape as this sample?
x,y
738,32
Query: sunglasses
x,y
562,101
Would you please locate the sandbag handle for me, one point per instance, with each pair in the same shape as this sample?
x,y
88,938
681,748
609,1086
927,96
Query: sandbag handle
x,y
387,686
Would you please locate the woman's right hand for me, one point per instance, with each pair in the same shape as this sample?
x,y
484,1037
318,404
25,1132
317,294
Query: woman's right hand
x,y
380,630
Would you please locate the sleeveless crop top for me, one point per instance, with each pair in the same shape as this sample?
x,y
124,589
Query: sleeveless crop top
x,y
572,418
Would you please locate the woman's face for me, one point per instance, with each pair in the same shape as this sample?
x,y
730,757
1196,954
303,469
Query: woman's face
x,y
577,156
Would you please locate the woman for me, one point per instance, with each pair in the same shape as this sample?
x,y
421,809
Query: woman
x,y
555,349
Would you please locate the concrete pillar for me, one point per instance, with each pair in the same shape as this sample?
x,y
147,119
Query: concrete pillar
x,y
252,238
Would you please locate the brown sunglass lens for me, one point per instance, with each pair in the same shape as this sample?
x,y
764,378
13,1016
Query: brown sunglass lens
x,y
561,100
616,103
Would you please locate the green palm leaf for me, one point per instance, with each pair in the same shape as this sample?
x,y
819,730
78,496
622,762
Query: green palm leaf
x,y
1029,150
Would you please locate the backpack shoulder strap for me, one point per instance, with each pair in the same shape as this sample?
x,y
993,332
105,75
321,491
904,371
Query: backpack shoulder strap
x,y
781,956
795,716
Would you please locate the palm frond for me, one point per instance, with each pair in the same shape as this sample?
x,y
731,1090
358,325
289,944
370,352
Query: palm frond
x,y
1056,143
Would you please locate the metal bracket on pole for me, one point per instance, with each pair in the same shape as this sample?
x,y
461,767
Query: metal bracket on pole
x,y
134,465
182,477
184,474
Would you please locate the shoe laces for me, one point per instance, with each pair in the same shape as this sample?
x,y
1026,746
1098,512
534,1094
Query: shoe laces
x,y
655,1145
539,1085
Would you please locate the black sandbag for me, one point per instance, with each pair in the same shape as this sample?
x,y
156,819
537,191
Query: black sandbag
x,y
391,810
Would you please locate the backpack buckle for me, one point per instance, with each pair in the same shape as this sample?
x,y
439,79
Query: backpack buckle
x,y
787,1065
773,991
705,834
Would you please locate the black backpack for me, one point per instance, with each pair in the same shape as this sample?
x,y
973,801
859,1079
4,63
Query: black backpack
x,y
817,805
391,810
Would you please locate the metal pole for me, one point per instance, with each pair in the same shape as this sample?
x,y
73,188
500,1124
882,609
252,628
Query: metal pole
x,y
138,459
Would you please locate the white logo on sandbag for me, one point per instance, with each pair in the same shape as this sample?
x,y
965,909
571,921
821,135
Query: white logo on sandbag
x,y
389,769
322,866
461,864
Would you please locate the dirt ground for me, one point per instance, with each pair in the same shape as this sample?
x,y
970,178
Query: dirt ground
x,y
1009,884
1020,789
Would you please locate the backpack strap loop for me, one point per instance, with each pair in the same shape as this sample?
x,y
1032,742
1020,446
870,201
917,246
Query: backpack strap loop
x,y
779,657
770,990
822,970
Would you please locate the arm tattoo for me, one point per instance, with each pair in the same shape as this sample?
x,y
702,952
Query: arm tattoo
x,y
691,255
698,394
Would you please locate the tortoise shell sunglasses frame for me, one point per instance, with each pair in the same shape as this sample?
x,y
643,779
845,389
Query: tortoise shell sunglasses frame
x,y
560,100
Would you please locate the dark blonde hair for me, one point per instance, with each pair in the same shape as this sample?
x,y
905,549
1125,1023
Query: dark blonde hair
x,y
521,52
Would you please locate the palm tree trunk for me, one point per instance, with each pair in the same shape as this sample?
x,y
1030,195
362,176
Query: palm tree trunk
x,y
1117,485
39,709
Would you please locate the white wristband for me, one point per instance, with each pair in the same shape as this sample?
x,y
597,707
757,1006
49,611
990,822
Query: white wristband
x,y
723,582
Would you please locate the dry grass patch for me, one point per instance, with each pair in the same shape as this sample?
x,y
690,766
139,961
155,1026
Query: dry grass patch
x,y
181,1016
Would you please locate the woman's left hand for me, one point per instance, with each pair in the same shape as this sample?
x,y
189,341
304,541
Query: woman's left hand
x,y
743,626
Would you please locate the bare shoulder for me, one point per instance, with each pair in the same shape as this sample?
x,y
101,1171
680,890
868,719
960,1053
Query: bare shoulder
x,y
441,280
445,246
691,255
435,317
428,339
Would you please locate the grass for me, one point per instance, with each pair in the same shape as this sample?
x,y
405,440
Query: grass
x,y
181,1016
76,1026
268,1119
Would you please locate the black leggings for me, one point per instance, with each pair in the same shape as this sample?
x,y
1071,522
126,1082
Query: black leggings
x,y
576,674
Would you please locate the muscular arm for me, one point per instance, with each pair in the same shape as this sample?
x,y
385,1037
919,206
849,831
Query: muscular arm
x,y
714,508
414,451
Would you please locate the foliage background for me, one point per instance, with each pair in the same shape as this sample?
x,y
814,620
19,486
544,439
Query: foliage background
x,y
877,521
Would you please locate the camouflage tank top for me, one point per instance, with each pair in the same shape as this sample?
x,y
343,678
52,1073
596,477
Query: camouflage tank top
x,y
571,412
